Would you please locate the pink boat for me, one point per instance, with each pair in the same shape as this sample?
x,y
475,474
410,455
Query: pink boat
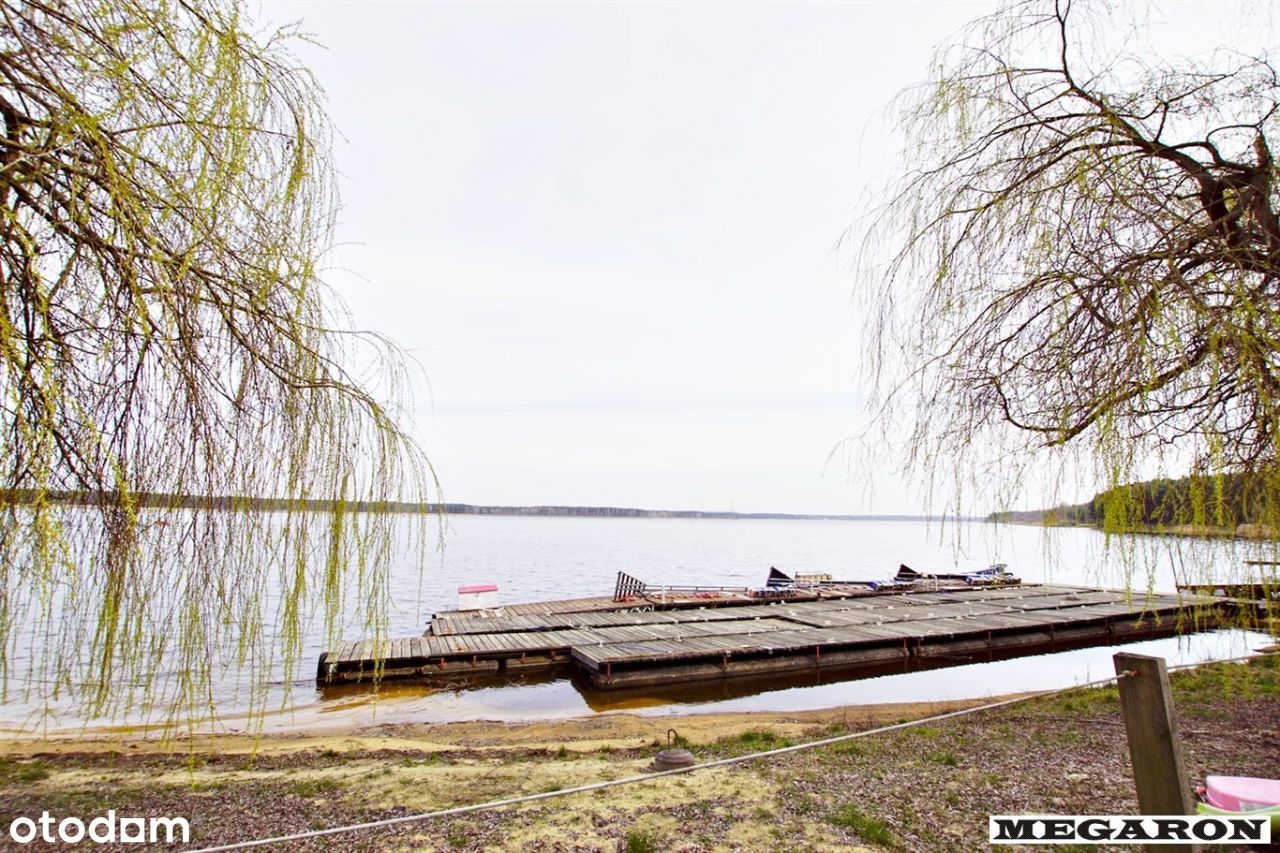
x,y
1241,793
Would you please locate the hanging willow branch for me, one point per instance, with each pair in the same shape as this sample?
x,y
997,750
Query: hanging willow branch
x,y
165,200
1086,252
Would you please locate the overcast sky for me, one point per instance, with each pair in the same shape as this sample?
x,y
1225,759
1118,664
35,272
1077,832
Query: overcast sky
x,y
606,232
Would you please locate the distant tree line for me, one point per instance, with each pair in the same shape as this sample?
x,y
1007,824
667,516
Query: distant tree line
x,y
1224,501
244,503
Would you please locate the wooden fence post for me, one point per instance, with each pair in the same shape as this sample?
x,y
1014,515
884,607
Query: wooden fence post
x,y
1154,747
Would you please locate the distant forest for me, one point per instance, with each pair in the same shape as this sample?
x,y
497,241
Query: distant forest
x,y
1223,502
159,500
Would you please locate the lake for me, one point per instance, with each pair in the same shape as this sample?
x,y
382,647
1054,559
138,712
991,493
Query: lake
x,y
532,558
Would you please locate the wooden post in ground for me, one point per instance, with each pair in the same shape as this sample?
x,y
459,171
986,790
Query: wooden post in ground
x,y
1154,746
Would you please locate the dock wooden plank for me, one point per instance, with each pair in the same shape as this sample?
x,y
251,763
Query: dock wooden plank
x,y
600,634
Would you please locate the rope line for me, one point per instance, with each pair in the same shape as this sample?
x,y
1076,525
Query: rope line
x,y
722,762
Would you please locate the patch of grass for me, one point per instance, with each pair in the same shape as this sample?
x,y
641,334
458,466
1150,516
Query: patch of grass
x,y
945,757
867,827
1099,700
754,740
206,787
314,787
927,732
31,773
562,752
102,797
804,804
22,772
848,747
1258,678
329,753
639,841
551,789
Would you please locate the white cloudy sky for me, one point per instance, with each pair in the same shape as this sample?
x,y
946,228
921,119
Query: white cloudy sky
x,y
606,232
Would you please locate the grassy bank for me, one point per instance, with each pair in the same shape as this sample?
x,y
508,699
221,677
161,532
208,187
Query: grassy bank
x,y
930,787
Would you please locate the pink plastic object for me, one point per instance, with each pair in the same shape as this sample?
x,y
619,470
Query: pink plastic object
x,y
1241,793
477,587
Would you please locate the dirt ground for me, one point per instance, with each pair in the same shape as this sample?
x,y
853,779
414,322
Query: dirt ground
x,y
927,787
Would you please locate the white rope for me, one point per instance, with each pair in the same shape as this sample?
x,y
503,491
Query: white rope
x,y
723,762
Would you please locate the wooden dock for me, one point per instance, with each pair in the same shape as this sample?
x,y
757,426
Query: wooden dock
x,y
701,636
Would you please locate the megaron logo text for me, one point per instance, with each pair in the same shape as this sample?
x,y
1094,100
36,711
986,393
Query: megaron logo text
x,y
107,829
1112,829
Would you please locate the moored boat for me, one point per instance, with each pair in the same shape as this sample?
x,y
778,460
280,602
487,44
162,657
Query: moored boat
x,y
997,574
1241,796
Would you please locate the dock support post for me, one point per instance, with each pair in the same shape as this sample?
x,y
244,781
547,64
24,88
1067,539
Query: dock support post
x,y
1154,747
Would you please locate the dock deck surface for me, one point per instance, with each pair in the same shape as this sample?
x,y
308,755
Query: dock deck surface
x,y
703,636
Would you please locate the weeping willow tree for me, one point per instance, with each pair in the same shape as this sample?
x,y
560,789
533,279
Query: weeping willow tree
x,y
166,201
1081,265
1075,285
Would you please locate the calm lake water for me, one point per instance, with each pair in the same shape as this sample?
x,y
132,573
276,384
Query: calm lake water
x,y
533,558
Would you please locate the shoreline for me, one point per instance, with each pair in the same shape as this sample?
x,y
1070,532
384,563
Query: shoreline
x,y
618,728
